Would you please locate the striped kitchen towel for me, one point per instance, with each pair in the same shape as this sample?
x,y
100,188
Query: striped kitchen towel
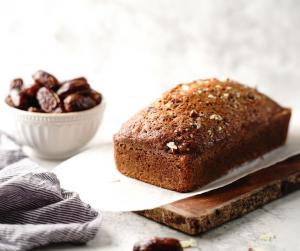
x,y
34,210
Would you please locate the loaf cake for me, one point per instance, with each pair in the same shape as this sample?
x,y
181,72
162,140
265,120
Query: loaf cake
x,y
197,132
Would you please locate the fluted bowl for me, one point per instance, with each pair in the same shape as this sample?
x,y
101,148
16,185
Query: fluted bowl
x,y
54,135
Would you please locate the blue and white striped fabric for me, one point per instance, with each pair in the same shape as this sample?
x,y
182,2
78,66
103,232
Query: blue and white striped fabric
x,y
34,210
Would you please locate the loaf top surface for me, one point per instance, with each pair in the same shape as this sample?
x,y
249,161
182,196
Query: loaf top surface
x,y
193,117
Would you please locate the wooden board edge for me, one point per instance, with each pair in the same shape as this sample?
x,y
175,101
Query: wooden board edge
x,y
229,211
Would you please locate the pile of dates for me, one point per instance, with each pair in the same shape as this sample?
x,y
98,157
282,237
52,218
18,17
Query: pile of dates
x,y
48,95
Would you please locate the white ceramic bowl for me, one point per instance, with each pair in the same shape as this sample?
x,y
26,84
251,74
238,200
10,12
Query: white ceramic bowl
x,y
51,135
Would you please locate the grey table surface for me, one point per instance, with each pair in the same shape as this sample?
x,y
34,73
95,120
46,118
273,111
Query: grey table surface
x,y
132,50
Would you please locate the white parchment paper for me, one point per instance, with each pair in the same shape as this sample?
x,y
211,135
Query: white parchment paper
x,y
94,176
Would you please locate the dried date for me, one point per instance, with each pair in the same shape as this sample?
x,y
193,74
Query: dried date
x,y
48,99
18,99
158,244
17,84
72,86
45,79
32,90
96,96
48,95
78,102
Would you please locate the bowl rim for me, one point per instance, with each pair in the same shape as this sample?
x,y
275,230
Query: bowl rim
x,y
55,115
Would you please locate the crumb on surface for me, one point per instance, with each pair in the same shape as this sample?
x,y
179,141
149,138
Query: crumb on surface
x,y
190,243
267,236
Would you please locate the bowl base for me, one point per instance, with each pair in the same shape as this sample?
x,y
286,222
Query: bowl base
x,y
55,156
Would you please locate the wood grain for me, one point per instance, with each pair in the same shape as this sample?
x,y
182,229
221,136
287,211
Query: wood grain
x,y
200,213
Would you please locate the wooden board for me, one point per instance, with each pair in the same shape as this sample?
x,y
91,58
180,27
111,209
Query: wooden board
x,y
203,212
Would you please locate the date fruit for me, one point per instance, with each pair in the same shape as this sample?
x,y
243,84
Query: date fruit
x,y
158,244
49,95
48,99
32,90
77,102
96,96
72,86
16,84
45,79
18,98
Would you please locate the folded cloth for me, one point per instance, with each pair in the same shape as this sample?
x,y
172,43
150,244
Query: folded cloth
x,y
34,210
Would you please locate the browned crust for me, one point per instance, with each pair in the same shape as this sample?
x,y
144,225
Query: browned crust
x,y
195,119
187,172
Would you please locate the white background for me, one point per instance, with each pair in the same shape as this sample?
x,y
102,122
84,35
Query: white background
x,y
132,50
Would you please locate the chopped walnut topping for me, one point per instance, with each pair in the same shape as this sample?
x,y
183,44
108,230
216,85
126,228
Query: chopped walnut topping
x,y
172,145
225,95
238,94
216,117
220,128
209,132
228,88
194,85
196,123
171,114
168,105
199,91
185,87
211,96
218,86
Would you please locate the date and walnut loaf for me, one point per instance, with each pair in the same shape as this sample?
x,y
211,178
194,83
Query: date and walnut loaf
x,y
197,132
